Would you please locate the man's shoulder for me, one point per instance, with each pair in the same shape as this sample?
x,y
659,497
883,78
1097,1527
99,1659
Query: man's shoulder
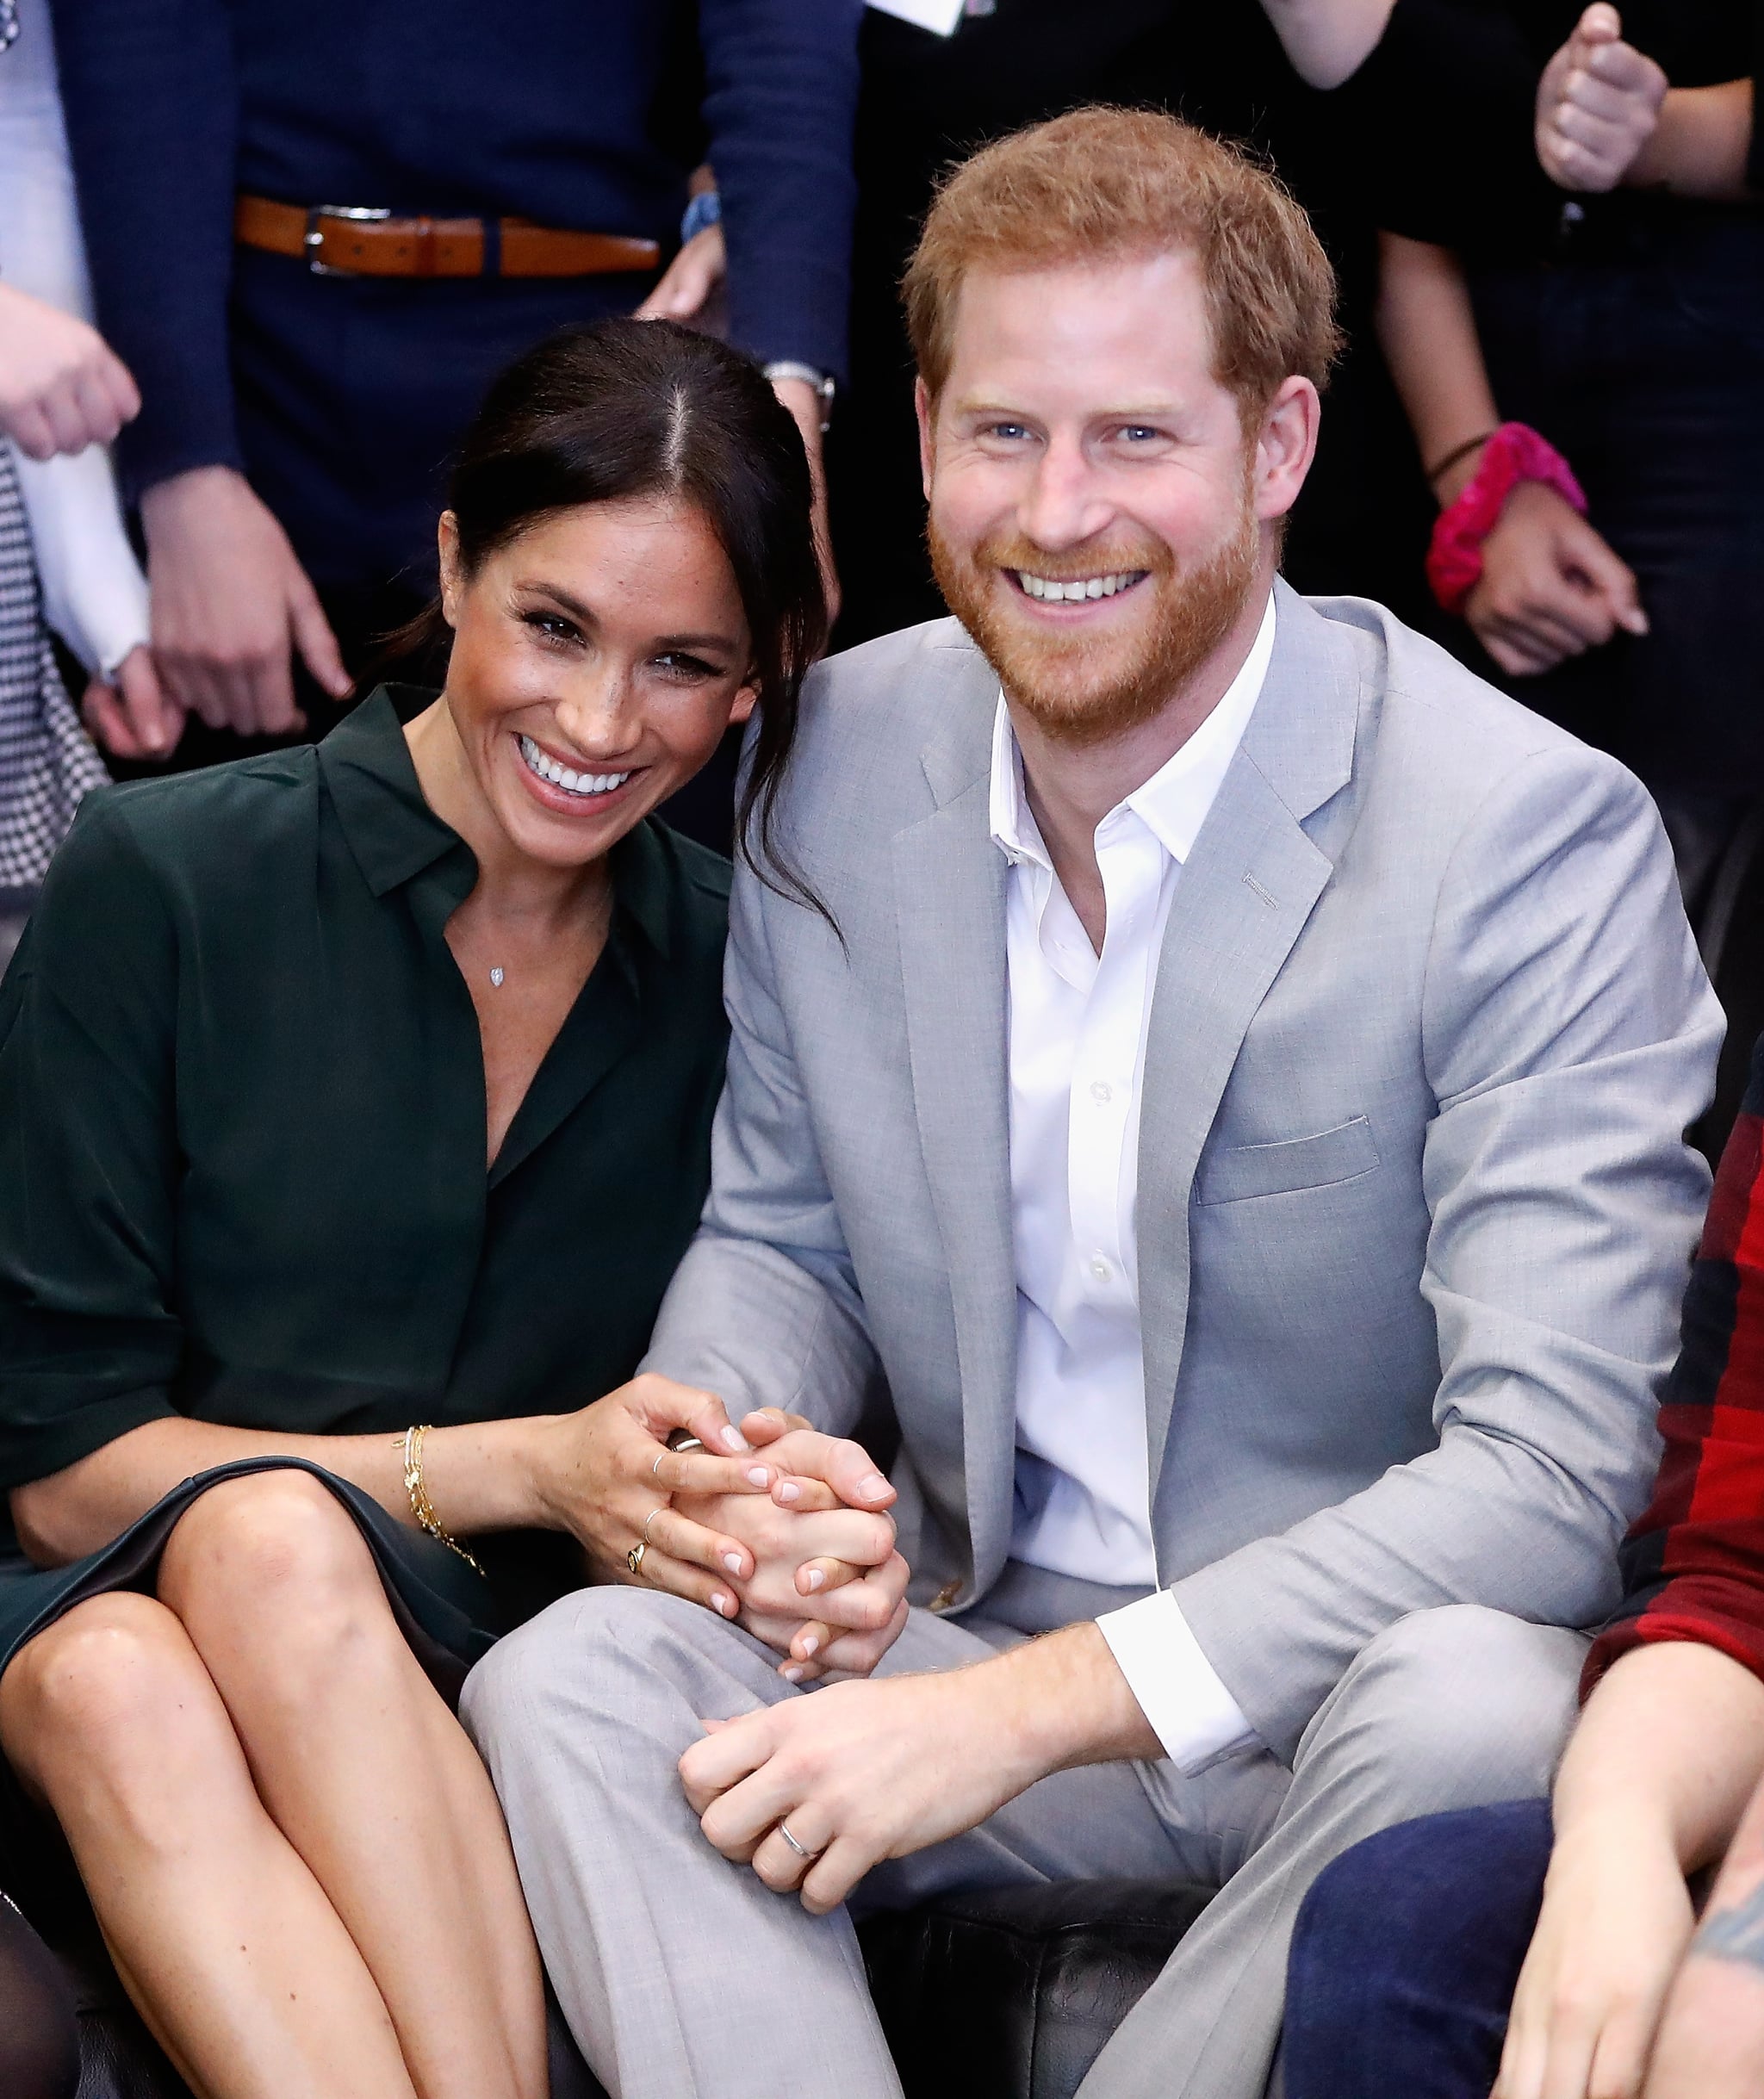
x,y
1437,733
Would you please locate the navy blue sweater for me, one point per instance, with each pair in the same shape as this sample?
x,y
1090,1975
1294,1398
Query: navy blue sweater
x,y
553,110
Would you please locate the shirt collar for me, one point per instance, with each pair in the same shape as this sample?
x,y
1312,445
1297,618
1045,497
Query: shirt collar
x,y
1174,802
395,836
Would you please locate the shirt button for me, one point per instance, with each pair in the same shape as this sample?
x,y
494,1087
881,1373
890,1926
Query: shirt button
x,y
1100,1090
1100,1268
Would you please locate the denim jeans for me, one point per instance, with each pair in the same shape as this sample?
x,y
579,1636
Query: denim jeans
x,y
1405,1955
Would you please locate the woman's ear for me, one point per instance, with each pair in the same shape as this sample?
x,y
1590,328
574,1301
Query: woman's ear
x,y
452,582
745,701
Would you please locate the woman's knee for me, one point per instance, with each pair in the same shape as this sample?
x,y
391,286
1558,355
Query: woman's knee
x,y
278,1542
105,1689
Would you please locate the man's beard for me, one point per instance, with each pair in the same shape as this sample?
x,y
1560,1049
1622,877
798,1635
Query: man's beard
x,y
1084,691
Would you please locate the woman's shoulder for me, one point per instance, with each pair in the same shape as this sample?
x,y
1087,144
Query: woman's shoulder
x,y
217,829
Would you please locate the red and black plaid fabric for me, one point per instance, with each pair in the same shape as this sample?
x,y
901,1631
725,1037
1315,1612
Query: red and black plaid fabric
x,y
1693,1566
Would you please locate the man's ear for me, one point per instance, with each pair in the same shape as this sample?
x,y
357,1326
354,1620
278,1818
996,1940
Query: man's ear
x,y
1285,446
926,409
447,545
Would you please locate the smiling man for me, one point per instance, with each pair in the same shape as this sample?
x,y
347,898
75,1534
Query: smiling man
x,y
1232,1104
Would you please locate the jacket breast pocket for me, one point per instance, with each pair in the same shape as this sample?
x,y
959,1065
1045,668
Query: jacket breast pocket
x,y
1340,1154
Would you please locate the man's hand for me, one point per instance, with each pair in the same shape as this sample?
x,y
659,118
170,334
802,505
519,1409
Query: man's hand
x,y
134,717
822,1539
1599,102
1551,586
62,388
866,1771
230,604
1615,1919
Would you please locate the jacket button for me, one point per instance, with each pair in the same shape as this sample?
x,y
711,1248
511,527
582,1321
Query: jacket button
x,y
946,1596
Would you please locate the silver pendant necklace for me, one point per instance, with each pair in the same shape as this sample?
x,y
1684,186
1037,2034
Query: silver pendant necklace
x,y
496,979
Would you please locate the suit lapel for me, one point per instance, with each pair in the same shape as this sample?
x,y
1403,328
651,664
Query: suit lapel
x,y
949,889
1241,901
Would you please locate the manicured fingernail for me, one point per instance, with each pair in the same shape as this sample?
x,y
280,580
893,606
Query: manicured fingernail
x,y
724,1605
793,1672
811,1646
734,1440
869,1489
818,1577
732,1561
758,1476
789,1492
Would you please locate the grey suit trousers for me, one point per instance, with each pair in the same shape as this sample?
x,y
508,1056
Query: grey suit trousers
x,y
683,1977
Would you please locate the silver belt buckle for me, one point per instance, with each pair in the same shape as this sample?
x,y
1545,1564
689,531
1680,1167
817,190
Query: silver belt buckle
x,y
314,241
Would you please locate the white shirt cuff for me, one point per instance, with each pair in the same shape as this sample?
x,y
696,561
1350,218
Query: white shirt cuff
x,y
1190,1710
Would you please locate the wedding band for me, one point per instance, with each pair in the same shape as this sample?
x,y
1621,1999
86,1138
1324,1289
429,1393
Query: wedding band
x,y
801,1850
634,1558
683,1439
651,1518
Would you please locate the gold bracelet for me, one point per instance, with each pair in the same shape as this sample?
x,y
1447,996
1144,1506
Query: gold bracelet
x,y
420,1505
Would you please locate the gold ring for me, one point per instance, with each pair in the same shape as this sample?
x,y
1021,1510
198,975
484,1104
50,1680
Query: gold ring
x,y
634,1558
651,1518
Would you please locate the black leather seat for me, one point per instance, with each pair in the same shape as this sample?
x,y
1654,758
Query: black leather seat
x,y
1010,1994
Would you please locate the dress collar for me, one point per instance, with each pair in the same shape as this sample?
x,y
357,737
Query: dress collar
x,y
395,836
1174,802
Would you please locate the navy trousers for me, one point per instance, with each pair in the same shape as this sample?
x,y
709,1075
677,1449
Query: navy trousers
x,y
1406,1956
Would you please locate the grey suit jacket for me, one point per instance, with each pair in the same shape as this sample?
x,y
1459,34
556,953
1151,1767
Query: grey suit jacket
x,y
1414,1210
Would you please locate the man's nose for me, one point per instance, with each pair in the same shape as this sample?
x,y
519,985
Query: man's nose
x,y
1065,503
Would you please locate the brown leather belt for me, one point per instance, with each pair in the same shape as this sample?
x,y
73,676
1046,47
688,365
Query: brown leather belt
x,y
345,239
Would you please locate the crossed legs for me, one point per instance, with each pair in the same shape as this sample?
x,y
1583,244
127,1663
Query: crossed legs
x,y
292,1849
684,1978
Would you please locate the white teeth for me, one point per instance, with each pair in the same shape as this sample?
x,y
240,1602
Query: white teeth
x,y
560,775
1054,590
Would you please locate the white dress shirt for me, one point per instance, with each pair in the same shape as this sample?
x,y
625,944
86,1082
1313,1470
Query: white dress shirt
x,y
1078,1021
94,593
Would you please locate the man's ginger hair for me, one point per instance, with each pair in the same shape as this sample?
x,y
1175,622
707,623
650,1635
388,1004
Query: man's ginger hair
x,y
1102,185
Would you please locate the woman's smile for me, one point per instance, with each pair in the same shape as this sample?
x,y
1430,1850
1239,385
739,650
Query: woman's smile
x,y
545,770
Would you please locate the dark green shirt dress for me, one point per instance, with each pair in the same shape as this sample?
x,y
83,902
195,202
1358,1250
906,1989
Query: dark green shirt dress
x,y
242,1138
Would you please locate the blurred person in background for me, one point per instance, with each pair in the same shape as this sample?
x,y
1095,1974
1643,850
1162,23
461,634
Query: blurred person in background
x,y
1585,372
316,232
65,562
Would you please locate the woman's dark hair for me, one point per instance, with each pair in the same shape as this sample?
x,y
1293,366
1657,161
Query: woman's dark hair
x,y
631,408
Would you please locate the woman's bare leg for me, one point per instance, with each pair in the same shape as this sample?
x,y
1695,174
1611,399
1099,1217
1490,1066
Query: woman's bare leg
x,y
223,1937
367,1774
1711,2040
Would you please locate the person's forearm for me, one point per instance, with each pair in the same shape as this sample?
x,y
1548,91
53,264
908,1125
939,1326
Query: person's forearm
x,y
479,1477
1427,330
1062,1701
1328,40
1701,144
1671,1745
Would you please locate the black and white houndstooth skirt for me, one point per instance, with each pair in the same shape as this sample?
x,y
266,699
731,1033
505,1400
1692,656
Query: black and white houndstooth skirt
x,y
46,760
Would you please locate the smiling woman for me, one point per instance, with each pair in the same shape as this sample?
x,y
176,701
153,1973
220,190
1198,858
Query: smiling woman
x,y
357,1106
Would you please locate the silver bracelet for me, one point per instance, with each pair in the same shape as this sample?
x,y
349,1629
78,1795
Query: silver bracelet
x,y
787,368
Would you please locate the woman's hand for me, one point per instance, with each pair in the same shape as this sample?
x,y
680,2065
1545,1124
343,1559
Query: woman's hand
x,y
690,280
1551,587
605,1476
133,717
1598,104
1616,1920
822,1539
62,387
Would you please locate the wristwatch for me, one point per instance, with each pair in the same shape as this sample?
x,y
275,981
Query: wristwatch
x,y
787,368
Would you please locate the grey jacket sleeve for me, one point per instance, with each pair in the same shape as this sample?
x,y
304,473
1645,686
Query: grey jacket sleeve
x,y
764,1310
1569,1037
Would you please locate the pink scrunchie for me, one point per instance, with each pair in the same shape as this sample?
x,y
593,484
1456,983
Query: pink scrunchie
x,y
1513,454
